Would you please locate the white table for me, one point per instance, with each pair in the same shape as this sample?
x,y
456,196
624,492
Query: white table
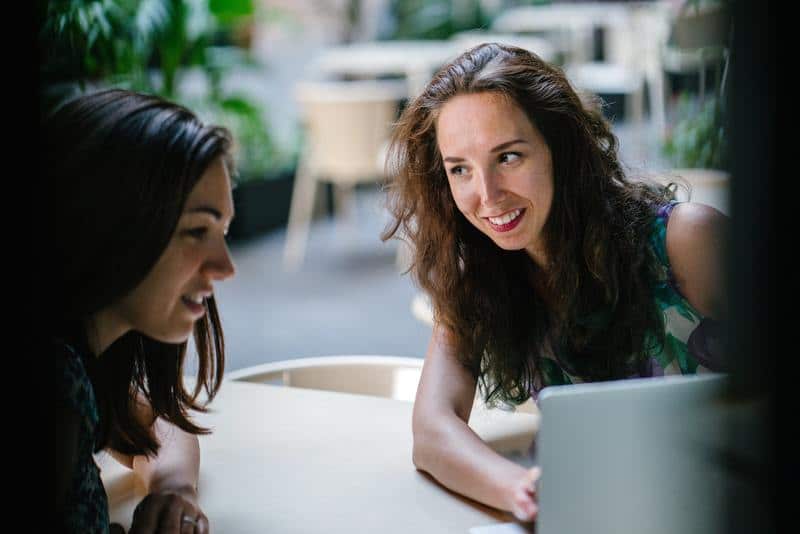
x,y
287,460
577,20
416,60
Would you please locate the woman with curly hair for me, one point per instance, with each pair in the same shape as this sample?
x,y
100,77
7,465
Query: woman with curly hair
x,y
544,263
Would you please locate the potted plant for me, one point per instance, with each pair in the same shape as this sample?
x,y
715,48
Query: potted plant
x,y
696,148
436,19
147,46
696,144
265,172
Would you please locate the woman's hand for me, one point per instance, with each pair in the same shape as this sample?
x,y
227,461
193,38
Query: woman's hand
x,y
523,495
170,511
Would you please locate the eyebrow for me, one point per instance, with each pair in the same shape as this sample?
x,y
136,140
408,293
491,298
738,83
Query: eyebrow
x,y
498,148
214,212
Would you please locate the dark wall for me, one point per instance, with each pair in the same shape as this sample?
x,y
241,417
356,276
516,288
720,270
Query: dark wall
x,y
752,269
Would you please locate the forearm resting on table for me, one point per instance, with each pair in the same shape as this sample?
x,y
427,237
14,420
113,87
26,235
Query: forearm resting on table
x,y
459,459
177,464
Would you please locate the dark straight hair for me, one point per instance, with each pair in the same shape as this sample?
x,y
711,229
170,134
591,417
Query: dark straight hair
x,y
120,166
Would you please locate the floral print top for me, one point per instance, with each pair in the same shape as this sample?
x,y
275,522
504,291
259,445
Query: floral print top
x,y
689,337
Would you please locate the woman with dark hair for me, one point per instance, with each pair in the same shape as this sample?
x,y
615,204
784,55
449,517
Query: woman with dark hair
x,y
544,263
141,205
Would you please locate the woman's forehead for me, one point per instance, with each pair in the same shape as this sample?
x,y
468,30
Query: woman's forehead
x,y
483,119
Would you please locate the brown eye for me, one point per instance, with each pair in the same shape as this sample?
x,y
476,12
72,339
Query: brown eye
x,y
197,233
509,157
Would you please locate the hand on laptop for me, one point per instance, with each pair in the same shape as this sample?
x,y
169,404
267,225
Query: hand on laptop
x,y
523,495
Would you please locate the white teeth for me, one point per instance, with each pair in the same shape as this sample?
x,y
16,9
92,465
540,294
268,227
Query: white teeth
x,y
505,219
196,300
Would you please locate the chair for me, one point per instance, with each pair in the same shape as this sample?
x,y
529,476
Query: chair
x,y
633,35
347,126
392,377
632,63
708,186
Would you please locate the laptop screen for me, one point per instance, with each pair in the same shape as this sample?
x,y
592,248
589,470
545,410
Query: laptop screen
x,y
632,456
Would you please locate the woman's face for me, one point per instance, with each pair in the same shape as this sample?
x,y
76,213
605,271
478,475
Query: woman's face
x,y
499,169
166,304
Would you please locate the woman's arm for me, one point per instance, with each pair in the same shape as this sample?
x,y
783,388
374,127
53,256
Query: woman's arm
x,y
696,238
177,465
170,479
446,448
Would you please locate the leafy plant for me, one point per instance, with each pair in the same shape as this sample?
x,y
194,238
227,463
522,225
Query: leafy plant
x,y
146,45
698,139
435,19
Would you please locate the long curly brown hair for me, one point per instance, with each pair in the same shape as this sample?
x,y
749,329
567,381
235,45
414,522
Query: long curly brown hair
x,y
599,319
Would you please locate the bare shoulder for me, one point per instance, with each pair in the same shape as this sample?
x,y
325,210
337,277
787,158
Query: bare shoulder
x,y
696,236
692,224
690,221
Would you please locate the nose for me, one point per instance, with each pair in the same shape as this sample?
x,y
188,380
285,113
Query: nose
x,y
489,187
220,265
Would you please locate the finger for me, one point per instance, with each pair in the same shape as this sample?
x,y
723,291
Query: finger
x,y
188,525
202,525
534,473
145,516
525,510
174,510
191,520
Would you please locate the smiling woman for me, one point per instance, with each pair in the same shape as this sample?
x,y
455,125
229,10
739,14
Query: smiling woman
x,y
141,205
503,180
544,263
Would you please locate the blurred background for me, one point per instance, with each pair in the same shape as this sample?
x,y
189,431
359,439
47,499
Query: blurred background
x,y
310,88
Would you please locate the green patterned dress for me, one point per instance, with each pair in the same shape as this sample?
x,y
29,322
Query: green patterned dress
x,y
690,337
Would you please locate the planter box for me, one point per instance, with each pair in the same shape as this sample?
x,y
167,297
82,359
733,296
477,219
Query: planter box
x,y
261,205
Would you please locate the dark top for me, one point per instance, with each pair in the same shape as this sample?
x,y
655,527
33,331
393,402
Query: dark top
x,y
85,503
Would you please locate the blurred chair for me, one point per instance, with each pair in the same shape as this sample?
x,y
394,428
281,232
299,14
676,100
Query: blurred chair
x,y
698,40
708,186
633,35
393,377
347,126
632,63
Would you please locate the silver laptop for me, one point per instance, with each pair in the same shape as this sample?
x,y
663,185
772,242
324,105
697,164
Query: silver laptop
x,y
638,456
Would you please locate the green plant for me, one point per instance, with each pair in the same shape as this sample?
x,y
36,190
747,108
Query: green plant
x,y
121,41
146,45
435,19
698,139
257,156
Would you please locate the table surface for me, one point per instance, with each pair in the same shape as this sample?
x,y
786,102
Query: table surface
x,y
416,60
283,459
374,58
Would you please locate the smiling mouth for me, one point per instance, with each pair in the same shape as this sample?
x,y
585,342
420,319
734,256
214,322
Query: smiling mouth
x,y
506,222
195,303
